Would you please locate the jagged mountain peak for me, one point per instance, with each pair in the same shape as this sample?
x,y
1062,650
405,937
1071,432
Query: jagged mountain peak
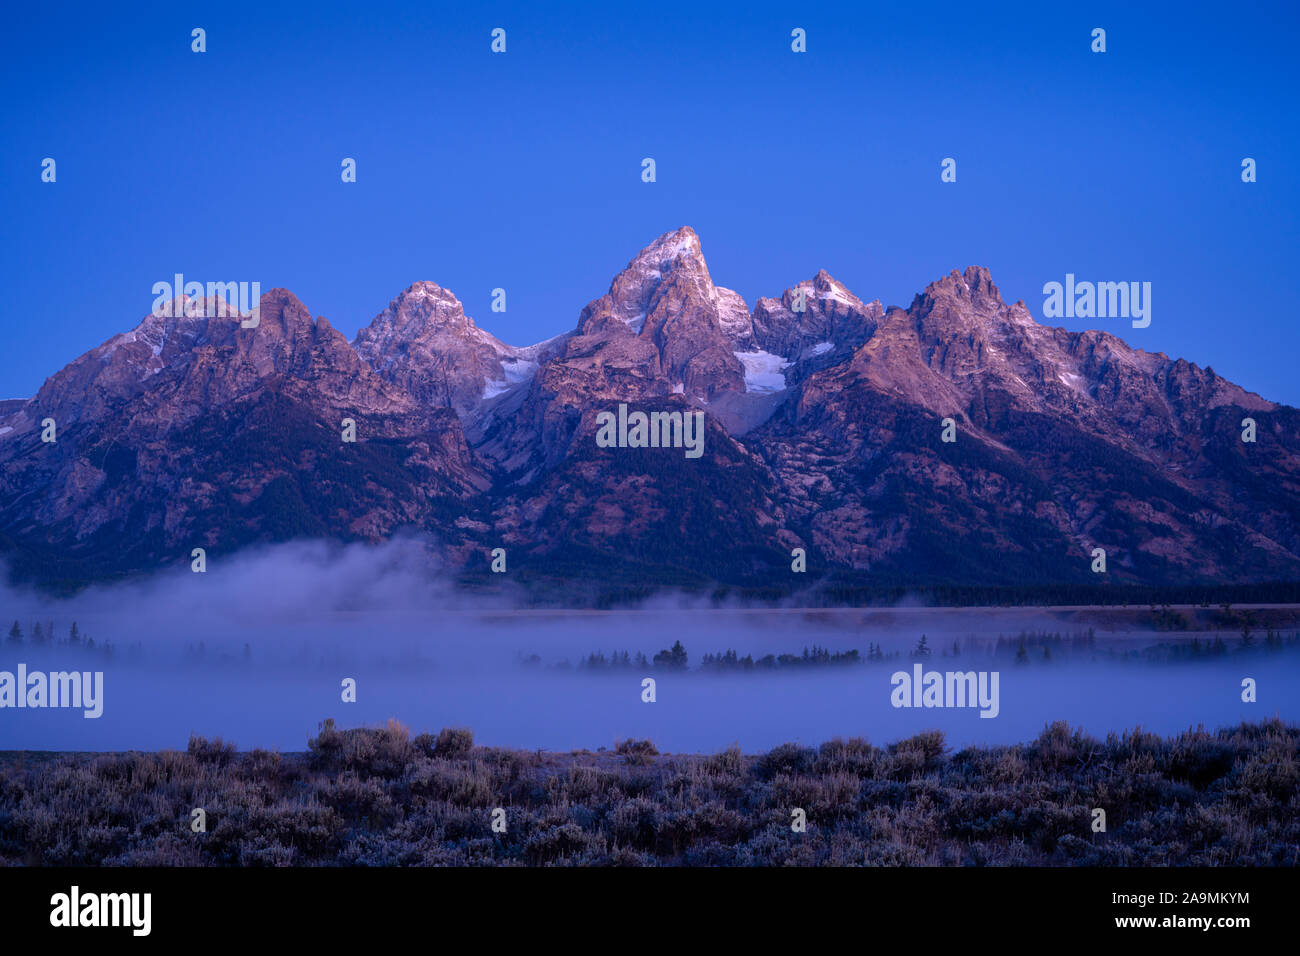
x,y
423,288
180,321
426,344
974,287
826,288
284,313
423,310
674,261
814,317
831,409
670,248
430,299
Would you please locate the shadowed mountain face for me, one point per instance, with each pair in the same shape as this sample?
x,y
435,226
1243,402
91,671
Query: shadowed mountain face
x,y
822,419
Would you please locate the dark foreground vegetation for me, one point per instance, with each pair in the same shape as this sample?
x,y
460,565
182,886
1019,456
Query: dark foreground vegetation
x,y
379,797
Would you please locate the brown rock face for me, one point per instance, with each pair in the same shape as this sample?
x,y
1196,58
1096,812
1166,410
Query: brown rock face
x,y
1065,442
662,330
685,329
831,316
195,432
822,430
425,344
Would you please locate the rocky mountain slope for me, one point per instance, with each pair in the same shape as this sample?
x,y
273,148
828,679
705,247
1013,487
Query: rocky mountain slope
x,y
822,416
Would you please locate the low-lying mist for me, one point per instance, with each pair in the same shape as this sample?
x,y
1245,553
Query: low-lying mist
x,y
257,649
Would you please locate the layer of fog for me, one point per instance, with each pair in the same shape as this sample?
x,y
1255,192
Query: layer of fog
x,y
255,650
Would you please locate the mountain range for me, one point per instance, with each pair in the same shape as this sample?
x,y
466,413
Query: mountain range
x,y
824,425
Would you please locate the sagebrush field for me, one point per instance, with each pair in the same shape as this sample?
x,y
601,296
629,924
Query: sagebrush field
x,y
379,796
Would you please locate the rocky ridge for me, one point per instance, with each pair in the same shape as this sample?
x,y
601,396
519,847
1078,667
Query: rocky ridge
x,y
822,415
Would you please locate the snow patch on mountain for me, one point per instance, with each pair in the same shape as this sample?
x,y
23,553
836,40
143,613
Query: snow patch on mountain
x,y
685,246
517,371
1073,381
838,293
763,371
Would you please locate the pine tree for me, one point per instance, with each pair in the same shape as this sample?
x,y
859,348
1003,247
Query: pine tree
x,y
15,634
74,635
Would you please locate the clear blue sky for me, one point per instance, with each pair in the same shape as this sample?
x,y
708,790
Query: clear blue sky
x,y
523,171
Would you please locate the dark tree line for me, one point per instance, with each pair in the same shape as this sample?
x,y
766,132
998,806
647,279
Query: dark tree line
x,y
44,635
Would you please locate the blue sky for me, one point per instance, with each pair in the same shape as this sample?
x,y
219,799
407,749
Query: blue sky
x,y
522,171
